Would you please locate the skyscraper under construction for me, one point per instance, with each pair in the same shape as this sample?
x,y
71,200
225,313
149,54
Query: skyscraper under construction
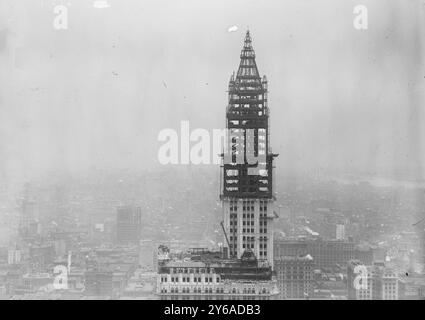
x,y
243,268
247,189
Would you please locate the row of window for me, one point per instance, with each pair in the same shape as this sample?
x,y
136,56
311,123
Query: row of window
x,y
250,239
248,230
191,270
187,279
251,190
295,277
247,222
245,206
210,290
251,246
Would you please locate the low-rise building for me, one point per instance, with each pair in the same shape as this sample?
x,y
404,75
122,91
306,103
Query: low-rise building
x,y
204,274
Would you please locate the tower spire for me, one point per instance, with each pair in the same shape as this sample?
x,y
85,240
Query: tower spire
x,y
248,40
247,50
248,75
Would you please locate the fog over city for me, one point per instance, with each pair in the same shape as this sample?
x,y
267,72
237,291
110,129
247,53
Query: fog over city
x,y
88,86
98,93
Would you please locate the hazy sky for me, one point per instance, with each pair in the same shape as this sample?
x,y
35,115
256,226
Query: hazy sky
x,y
98,93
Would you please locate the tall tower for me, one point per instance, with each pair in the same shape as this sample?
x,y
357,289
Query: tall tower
x,y
129,224
247,191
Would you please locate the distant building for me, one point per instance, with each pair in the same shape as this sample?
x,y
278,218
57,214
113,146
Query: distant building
x,y
289,248
340,232
29,226
129,224
364,254
390,284
42,256
108,270
379,254
14,256
327,254
98,283
60,247
147,253
294,276
378,282
331,253
32,282
413,287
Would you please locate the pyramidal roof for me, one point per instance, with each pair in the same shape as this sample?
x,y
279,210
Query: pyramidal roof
x,y
248,75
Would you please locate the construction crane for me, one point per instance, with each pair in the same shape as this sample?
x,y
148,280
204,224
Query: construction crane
x,y
418,223
225,234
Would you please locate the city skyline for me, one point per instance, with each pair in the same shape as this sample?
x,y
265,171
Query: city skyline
x,y
133,168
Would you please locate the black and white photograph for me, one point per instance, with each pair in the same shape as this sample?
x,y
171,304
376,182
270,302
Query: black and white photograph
x,y
211,152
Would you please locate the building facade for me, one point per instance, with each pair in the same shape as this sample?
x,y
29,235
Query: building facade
x,y
203,274
327,254
374,282
294,276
